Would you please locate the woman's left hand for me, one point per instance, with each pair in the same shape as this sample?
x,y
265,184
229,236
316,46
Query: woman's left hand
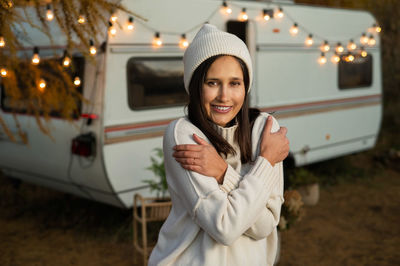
x,y
202,158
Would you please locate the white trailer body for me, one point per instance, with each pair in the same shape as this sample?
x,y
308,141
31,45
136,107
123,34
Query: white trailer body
x,y
325,113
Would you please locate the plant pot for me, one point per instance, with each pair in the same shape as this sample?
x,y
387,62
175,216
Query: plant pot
x,y
309,194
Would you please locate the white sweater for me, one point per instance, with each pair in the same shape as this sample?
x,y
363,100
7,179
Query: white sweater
x,y
229,224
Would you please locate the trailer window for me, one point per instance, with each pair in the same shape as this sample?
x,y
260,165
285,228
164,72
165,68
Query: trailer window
x,y
23,104
155,82
238,28
356,73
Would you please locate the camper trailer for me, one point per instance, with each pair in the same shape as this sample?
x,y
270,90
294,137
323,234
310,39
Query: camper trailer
x,y
330,101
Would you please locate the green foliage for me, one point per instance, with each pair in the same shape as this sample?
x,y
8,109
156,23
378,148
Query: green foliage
x,y
301,176
157,167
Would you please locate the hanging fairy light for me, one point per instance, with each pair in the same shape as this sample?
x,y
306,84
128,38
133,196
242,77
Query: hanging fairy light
x,y
267,14
49,13
294,29
113,18
225,8
183,43
129,25
349,57
371,40
157,42
364,39
243,15
66,59
335,58
35,57
42,85
322,59
339,48
309,40
3,72
77,81
325,47
376,28
363,52
81,19
351,45
279,13
111,29
2,42
92,48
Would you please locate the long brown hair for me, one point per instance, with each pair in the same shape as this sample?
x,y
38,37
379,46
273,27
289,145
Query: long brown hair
x,y
198,115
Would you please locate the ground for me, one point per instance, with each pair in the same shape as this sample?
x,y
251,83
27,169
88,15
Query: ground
x,y
356,222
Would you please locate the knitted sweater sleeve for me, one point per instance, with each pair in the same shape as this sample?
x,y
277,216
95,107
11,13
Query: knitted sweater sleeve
x,y
225,217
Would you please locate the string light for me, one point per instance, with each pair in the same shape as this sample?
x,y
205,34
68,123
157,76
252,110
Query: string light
x,y
2,42
81,19
325,47
77,81
349,57
129,25
42,85
351,45
322,59
3,72
92,48
225,8
309,40
339,48
363,52
183,43
111,29
335,58
376,28
243,15
66,60
279,13
267,14
113,18
294,29
49,13
9,4
364,39
371,41
157,42
35,57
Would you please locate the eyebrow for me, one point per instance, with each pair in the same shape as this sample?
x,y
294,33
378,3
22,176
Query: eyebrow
x,y
232,78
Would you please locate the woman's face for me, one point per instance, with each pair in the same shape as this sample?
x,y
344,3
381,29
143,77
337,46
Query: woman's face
x,y
223,90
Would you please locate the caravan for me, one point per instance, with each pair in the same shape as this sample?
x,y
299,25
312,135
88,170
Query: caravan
x,y
331,101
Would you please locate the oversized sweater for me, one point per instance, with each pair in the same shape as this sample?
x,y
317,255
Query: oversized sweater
x,y
229,224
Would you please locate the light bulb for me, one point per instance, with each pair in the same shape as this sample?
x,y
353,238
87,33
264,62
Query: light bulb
x,y
322,59
364,39
9,4
335,58
325,47
279,13
243,15
92,48
371,41
49,13
363,52
267,14
2,42
111,29
35,57
225,8
66,60
129,24
339,48
157,42
294,29
77,81
351,45
81,19
42,85
183,43
349,57
376,28
309,41
3,72
113,18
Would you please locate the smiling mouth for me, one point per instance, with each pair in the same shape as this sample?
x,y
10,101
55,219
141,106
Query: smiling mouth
x,y
221,109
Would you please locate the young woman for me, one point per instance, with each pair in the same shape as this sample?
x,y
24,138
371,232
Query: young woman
x,y
223,164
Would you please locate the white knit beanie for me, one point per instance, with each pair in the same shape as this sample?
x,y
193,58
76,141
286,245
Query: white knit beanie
x,y
208,42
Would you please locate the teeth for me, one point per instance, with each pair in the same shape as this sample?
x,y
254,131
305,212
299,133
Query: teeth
x,y
222,108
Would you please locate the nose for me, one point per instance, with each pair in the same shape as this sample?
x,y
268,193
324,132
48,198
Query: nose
x,y
223,92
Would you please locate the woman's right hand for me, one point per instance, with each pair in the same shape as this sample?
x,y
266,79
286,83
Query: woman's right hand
x,y
274,146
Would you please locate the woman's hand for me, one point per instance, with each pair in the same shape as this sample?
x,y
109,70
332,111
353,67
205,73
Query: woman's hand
x,y
202,158
274,146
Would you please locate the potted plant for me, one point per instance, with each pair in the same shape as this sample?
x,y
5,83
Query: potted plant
x,y
306,183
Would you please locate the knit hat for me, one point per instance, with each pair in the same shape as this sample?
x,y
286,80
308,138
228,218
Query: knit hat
x,y
208,42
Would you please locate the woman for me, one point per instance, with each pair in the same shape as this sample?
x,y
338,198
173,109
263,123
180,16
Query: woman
x,y
223,164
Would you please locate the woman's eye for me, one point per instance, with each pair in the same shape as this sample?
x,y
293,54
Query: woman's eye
x,y
212,83
235,83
